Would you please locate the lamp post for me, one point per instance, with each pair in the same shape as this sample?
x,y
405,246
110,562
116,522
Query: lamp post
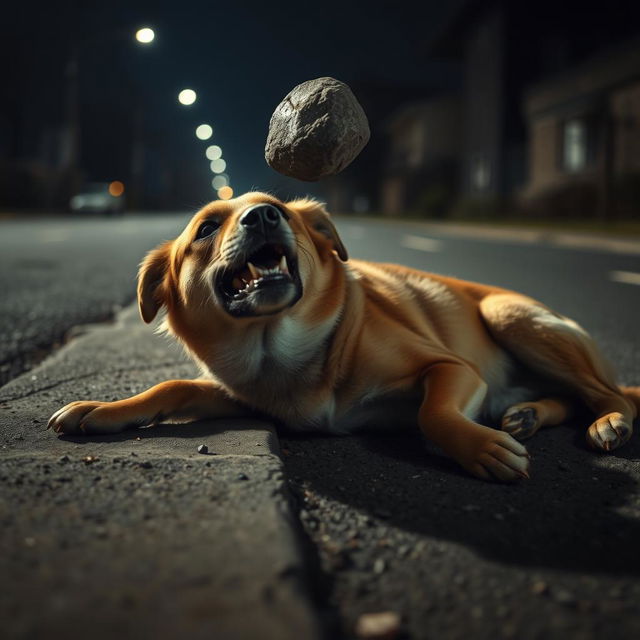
x,y
71,149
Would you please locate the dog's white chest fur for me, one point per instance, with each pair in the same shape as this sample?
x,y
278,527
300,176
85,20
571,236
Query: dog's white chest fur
x,y
263,367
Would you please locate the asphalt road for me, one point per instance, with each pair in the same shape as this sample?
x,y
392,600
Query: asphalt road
x,y
392,525
56,274
397,527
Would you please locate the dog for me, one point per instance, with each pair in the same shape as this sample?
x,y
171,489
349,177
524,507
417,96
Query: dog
x,y
262,295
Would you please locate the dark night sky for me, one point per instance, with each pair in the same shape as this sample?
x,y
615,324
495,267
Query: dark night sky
x,y
241,58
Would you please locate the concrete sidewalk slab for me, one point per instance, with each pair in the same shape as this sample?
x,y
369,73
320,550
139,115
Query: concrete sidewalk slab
x,y
137,534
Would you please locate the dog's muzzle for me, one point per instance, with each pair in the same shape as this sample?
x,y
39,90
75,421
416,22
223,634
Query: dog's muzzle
x,y
262,277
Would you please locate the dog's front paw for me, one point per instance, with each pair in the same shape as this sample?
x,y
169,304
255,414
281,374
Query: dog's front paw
x,y
87,418
499,457
609,432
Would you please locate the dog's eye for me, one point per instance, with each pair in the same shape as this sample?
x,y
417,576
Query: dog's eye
x,y
207,228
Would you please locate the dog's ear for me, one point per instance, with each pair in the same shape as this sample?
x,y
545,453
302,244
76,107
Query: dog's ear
x,y
151,281
317,218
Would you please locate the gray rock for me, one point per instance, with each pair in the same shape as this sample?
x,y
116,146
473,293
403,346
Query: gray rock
x,y
316,131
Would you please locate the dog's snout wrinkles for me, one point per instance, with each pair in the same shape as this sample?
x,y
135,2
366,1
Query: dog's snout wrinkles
x,y
261,217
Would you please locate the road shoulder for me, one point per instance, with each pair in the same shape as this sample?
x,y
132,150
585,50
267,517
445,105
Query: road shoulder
x,y
139,534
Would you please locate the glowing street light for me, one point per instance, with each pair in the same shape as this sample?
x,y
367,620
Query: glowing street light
x,y
116,188
218,166
225,193
221,180
204,132
213,152
187,96
145,35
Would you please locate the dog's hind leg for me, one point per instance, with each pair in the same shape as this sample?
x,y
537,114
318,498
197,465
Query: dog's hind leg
x,y
559,349
524,419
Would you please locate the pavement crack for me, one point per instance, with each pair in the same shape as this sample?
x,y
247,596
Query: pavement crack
x,y
91,374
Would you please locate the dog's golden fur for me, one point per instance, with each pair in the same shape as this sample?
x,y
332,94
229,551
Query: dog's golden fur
x,y
364,343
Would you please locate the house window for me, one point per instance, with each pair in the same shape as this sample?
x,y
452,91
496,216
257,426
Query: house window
x,y
574,146
480,172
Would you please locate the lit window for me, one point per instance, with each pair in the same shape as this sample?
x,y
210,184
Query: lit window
x,y
574,146
480,173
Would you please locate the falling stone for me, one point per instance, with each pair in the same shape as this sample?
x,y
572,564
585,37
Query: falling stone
x,y
316,131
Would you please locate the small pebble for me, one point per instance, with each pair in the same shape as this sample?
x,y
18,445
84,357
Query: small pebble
x,y
379,566
203,448
564,597
539,588
379,626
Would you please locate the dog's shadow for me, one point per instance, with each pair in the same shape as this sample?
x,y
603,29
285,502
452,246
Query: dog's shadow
x,y
578,512
227,433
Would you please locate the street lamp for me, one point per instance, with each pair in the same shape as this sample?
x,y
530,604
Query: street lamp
x,y
225,193
145,35
187,97
71,149
221,180
218,166
204,131
213,152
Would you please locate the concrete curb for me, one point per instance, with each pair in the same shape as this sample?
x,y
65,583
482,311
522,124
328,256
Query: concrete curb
x,y
137,534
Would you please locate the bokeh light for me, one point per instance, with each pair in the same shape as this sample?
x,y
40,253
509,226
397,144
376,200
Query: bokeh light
x,y
204,131
213,152
218,166
116,188
225,193
145,35
220,181
187,96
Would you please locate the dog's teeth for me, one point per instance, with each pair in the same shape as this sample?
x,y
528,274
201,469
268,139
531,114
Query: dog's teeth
x,y
255,273
283,265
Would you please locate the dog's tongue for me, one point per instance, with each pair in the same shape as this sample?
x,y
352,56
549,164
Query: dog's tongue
x,y
241,278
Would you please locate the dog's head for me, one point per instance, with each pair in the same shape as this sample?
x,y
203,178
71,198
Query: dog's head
x,y
250,257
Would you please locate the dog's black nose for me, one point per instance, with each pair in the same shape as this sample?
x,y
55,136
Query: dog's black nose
x,y
261,217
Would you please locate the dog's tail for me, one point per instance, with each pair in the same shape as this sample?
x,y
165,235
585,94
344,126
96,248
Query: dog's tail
x,y
632,394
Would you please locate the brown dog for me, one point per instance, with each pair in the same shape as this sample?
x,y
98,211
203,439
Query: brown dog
x,y
261,295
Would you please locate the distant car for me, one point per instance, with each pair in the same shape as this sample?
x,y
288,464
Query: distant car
x,y
97,197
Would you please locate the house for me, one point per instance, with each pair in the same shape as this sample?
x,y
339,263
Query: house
x,y
505,48
421,164
584,133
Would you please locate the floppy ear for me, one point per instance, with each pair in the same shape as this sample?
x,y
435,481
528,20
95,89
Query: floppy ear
x,y
317,218
151,290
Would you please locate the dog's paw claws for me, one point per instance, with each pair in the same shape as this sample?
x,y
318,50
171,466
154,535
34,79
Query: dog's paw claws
x,y
501,457
609,432
85,418
520,422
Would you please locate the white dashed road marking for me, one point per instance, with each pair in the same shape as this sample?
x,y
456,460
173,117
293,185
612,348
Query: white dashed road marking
x,y
52,235
628,277
421,243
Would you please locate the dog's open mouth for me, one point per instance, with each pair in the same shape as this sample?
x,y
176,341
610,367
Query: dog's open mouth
x,y
264,267
264,283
